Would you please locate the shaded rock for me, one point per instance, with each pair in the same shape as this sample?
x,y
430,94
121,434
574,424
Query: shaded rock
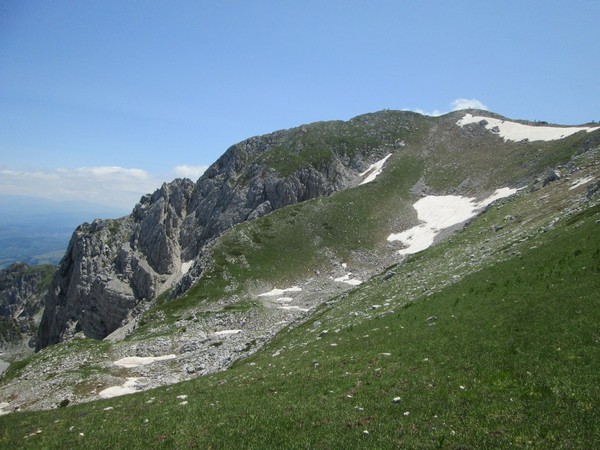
x,y
593,189
552,176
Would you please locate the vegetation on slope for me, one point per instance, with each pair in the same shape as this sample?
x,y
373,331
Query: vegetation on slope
x,y
317,143
506,357
306,237
302,238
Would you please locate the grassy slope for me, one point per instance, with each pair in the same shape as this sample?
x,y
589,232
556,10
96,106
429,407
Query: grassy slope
x,y
264,404
511,361
300,239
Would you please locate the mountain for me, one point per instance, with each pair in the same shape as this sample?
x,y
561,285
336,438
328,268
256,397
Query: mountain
x,y
37,231
114,268
404,269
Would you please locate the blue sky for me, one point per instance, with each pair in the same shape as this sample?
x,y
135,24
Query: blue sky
x,y
105,100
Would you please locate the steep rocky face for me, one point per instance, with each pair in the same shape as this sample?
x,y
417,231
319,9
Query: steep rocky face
x,y
22,292
113,268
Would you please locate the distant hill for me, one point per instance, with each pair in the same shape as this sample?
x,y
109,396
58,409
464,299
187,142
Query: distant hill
x,y
37,231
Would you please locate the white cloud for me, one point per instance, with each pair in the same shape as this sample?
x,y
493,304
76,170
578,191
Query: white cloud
x,y
434,113
107,185
456,105
187,171
467,103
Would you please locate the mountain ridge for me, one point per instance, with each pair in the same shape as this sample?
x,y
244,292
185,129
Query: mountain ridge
x,y
218,201
143,254
280,269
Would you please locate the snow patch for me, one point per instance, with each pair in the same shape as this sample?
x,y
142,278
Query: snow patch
x,y
280,292
129,387
348,280
3,406
227,332
439,212
137,361
292,308
580,182
513,131
374,170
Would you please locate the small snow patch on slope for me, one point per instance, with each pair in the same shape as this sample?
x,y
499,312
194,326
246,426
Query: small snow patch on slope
x,y
293,308
137,361
129,387
374,170
227,332
280,292
580,182
439,212
348,280
513,131
3,410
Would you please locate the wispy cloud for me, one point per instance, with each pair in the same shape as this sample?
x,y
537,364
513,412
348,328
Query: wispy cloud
x,y
191,172
107,185
434,113
456,105
467,103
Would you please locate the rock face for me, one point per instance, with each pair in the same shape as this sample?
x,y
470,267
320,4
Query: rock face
x,y
22,293
113,266
113,269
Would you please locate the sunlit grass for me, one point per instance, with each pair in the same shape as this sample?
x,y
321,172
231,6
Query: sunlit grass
x,y
508,357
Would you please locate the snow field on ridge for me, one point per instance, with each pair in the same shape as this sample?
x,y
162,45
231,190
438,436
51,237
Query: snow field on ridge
x,y
513,131
279,292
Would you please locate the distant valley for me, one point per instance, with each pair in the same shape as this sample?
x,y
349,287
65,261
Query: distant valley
x,y
37,230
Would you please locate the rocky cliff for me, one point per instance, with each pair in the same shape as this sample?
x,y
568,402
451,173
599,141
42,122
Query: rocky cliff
x,y
113,269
